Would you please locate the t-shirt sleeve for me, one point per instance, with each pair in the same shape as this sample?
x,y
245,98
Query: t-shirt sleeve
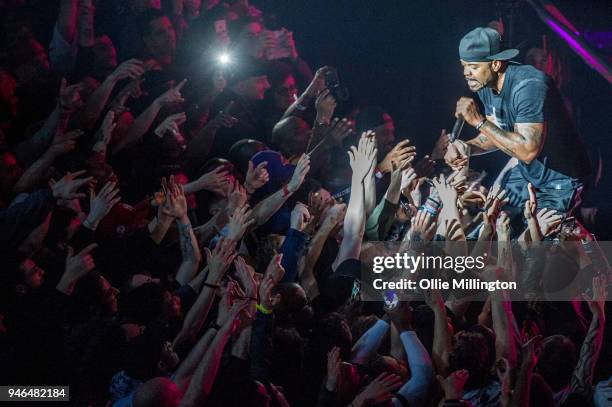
x,y
528,100
486,102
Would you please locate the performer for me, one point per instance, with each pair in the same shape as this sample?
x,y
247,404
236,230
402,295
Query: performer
x,y
526,118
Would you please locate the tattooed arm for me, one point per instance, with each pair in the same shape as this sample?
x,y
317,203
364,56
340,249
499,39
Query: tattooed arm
x,y
190,251
523,143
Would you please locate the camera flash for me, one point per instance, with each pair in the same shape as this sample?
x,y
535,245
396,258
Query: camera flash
x,y
224,59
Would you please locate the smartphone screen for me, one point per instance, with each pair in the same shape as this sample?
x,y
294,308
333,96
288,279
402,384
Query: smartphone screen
x,y
391,299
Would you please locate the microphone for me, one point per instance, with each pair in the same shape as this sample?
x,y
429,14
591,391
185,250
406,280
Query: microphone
x,y
458,126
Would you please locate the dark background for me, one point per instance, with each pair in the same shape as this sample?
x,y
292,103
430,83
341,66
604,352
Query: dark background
x,y
403,56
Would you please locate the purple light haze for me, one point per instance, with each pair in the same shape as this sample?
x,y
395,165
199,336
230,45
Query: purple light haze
x,y
580,49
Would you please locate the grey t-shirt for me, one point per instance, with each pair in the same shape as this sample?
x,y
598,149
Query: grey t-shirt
x,y
529,96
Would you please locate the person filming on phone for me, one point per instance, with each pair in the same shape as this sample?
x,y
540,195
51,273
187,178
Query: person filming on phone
x,y
525,117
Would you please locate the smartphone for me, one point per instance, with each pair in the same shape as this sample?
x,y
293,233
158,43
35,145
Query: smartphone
x,y
391,299
331,78
356,290
332,82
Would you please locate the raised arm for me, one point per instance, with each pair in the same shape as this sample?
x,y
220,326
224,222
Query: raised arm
x,y
144,121
582,378
442,338
365,348
264,210
305,99
333,216
504,325
98,100
421,368
204,377
362,159
218,263
37,172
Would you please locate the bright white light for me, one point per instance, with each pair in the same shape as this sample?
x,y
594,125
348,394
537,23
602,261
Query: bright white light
x,y
224,59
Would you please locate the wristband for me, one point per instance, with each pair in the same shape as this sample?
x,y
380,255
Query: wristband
x,y
211,285
378,173
286,192
479,125
263,309
300,107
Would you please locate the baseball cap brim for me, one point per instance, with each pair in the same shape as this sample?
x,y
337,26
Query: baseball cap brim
x,y
504,55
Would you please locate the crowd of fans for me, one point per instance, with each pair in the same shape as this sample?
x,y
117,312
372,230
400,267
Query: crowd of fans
x,y
176,231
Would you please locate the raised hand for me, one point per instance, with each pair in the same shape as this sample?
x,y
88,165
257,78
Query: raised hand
x,y
531,205
101,204
64,142
77,266
379,390
171,125
275,270
215,181
339,130
105,132
400,153
301,170
423,227
453,384
172,95
325,106
256,177
266,299
333,216
131,90
456,155
408,175
245,274
224,118
363,157
220,259
299,217
333,368
502,227
69,97
236,197
175,203
316,86
424,167
448,194
239,223
132,68
549,221
439,149
66,187
530,351
401,316
597,301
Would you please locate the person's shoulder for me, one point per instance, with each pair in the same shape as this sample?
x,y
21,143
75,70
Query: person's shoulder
x,y
521,74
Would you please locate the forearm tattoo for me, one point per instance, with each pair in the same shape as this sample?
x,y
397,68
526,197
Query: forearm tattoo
x,y
185,239
499,134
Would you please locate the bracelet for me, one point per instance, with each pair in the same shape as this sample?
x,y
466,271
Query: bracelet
x,y
286,192
479,125
263,309
211,285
